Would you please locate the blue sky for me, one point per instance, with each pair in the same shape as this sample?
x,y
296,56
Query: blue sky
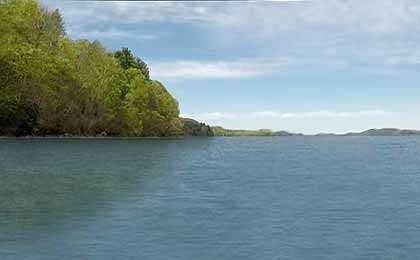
x,y
302,66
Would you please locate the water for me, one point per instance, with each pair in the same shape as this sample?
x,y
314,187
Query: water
x,y
210,198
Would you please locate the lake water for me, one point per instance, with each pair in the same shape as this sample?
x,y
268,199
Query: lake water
x,y
242,198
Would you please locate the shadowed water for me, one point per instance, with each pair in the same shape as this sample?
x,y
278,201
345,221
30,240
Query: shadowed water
x,y
210,198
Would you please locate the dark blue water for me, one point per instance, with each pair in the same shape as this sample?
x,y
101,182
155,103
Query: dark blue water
x,y
210,198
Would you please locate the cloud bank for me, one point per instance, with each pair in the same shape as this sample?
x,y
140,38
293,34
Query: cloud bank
x,y
360,33
292,115
244,68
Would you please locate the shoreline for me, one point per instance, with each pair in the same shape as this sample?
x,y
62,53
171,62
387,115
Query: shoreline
x,y
186,137
232,133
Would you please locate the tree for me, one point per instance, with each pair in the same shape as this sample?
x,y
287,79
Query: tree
x,y
152,110
25,62
127,60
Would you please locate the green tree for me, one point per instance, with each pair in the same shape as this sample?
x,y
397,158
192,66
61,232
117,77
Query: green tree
x,y
152,110
26,58
127,60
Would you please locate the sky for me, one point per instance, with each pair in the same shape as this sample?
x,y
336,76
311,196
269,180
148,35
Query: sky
x,y
301,66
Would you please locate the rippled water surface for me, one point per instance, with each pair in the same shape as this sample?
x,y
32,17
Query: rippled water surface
x,y
210,198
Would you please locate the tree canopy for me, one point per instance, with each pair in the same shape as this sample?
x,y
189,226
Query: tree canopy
x,y
51,84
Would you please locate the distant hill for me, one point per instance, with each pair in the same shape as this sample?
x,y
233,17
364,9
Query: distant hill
x,y
386,132
285,133
325,134
220,131
377,132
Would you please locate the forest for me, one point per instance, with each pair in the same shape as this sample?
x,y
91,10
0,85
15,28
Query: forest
x,y
53,85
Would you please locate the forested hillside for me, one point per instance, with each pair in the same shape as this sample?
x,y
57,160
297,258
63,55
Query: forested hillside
x,y
53,85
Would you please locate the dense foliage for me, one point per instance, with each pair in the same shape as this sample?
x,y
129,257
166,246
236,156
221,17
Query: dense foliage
x,y
194,128
50,84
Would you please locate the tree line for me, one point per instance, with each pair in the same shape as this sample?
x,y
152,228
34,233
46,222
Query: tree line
x,y
53,85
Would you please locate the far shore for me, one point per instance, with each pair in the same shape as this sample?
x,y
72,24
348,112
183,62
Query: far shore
x,y
236,133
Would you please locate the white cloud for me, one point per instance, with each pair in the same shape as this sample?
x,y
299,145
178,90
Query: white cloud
x,y
211,116
112,34
279,115
265,114
288,115
325,113
244,68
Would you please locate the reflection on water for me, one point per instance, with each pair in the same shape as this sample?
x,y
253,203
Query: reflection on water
x,y
46,182
210,198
